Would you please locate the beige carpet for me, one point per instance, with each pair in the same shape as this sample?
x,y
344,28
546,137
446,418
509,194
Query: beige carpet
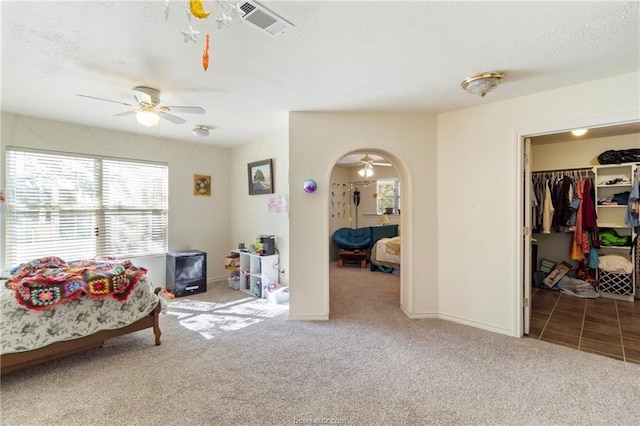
x,y
228,360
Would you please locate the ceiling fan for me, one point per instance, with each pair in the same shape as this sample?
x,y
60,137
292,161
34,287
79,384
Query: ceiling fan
x,y
368,160
148,109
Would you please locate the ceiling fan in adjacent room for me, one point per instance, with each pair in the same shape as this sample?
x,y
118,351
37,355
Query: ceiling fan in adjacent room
x,y
374,161
368,163
148,110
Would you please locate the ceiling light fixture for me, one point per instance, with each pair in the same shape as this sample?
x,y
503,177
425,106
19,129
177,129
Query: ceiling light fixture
x,y
366,171
578,132
483,83
147,118
201,131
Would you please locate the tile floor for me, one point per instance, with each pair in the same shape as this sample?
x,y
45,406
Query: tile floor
x,y
602,326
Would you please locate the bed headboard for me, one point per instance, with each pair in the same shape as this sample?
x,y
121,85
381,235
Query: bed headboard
x,y
382,231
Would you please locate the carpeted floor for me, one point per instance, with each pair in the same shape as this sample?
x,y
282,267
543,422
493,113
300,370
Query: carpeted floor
x,y
231,360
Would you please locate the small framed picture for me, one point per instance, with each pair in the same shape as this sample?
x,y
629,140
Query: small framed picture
x,y
260,176
201,185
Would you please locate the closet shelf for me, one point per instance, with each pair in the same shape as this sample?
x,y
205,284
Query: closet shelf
x,y
612,225
609,206
616,247
628,185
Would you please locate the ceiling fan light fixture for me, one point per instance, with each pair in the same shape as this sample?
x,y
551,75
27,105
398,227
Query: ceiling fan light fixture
x,y
147,118
366,171
201,131
483,83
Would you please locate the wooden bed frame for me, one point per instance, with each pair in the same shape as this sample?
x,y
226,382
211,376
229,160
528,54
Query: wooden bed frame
x,y
18,360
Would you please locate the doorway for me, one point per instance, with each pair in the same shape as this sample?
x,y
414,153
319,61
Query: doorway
x,y
599,325
365,191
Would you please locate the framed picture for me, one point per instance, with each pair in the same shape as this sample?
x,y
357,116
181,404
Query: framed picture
x,y
260,176
201,185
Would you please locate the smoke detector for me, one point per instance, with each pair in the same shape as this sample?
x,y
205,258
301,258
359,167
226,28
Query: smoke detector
x,y
201,131
263,19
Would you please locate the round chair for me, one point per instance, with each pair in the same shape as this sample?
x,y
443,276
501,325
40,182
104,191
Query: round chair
x,y
352,239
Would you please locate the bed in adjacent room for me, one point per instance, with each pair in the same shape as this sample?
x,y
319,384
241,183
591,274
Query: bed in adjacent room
x,y
51,308
381,257
385,254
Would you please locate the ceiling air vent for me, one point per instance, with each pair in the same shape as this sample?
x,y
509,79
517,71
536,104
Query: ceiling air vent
x,y
262,19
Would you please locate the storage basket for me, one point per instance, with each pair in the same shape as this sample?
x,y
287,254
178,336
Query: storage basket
x,y
611,282
234,283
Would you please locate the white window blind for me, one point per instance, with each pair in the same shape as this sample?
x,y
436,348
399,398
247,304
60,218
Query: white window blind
x,y
74,206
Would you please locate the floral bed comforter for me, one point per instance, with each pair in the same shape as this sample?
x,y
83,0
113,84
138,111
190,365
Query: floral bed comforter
x,y
23,329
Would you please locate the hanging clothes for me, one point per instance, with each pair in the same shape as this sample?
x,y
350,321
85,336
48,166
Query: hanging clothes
x,y
562,202
577,252
632,216
547,210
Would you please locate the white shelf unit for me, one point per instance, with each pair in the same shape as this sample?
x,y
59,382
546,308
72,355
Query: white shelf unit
x,y
256,272
621,287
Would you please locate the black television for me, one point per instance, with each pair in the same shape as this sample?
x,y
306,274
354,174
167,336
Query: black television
x,y
186,272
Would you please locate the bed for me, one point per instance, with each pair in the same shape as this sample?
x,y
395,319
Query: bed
x,y
385,254
42,329
385,248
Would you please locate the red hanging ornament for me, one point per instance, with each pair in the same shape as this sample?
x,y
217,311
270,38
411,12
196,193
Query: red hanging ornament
x,y
205,55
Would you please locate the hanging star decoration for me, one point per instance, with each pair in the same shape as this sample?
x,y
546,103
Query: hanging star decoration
x,y
232,8
190,34
223,22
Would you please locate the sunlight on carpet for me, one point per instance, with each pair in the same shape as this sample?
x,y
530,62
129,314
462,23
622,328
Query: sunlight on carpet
x,y
211,319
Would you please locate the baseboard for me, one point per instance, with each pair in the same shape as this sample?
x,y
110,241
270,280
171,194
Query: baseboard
x,y
423,315
308,317
217,279
476,324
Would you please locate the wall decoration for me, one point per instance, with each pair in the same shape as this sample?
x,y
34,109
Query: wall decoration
x,y
260,176
277,204
201,185
310,186
197,9
205,55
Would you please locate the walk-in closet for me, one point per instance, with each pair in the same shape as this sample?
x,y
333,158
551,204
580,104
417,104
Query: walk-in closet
x,y
584,254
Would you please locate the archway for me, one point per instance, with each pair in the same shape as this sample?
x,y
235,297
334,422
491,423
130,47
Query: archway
x,y
343,185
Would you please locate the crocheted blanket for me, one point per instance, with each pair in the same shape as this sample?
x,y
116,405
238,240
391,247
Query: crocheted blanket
x,y
48,281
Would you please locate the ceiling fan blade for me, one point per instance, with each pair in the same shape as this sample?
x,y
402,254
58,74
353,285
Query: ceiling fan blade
x,y
382,164
122,114
172,118
186,109
102,99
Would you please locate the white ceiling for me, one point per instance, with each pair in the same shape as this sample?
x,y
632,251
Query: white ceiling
x,y
339,56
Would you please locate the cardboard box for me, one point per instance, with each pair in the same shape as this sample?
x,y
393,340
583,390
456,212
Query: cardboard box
x,y
231,262
556,275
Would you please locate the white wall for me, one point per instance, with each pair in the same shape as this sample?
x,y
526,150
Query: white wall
x,y
316,141
250,215
479,187
195,222
577,153
341,208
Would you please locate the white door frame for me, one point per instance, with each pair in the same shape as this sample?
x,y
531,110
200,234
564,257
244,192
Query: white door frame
x,y
524,203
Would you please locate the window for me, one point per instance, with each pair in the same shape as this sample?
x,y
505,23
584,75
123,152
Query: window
x,y
388,195
76,206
